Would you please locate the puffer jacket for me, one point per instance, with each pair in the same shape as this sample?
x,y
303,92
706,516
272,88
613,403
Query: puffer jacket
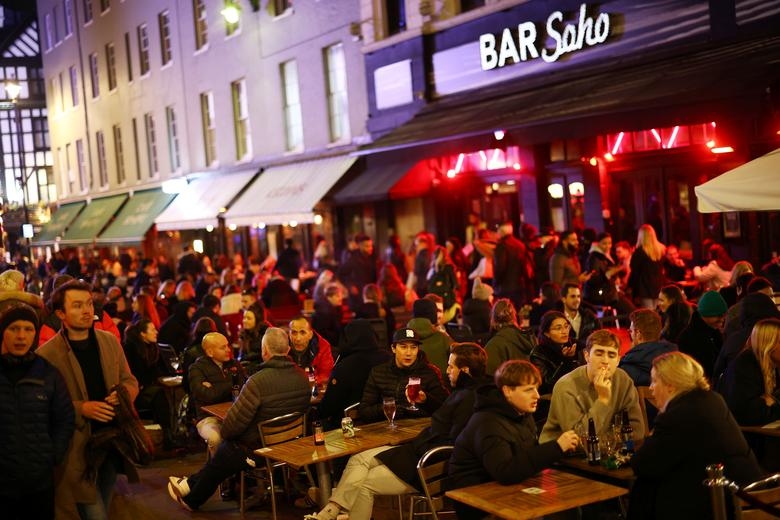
x,y
222,380
279,388
435,343
360,352
36,425
509,343
549,359
390,380
498,443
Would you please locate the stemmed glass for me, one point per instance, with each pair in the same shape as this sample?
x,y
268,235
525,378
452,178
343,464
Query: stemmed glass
x,y
413,392
388,406
175,364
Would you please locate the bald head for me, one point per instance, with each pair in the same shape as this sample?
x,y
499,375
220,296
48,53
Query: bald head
x,y
216,347
275,343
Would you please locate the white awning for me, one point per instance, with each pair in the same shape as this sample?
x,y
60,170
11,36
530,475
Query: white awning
x,y
288,193
753,186
199,204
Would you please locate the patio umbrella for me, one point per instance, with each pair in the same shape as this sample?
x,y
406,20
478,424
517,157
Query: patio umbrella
x,y
753,186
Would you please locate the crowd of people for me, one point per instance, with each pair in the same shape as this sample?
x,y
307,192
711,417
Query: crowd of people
x,y
507,320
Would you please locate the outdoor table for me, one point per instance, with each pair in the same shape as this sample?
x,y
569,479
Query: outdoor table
x,y
770,430
302,452
551,491
623,477
220,410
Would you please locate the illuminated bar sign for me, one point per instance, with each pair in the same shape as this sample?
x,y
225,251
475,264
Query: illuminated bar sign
x,y
522,44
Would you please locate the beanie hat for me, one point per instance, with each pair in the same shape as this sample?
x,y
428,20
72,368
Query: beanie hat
x,y
15,311
423,308
12,291
481,291
712,304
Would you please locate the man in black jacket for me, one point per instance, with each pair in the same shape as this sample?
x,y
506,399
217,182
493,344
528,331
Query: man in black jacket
x,y
393,470
390,380
279,388
512,269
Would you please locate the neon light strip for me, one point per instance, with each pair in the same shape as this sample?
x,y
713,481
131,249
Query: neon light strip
x,y
618,143
673,138
657,136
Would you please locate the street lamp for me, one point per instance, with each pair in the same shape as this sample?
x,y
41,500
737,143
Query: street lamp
x,y
14,89
231,13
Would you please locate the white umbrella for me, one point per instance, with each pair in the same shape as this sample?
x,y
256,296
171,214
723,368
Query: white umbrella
x,y
754,186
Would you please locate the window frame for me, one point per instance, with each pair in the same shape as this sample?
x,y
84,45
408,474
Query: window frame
x,y
208,122
292,108
152,158
100,146
241,125
166,44
144,63
94,75
111,66
174,149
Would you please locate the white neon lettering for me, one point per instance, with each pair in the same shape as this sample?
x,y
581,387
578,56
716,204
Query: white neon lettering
x,y
526,40
586,31
487,52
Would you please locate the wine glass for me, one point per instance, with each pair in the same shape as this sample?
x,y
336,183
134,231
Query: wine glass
x,y
413,392
175,364
388,406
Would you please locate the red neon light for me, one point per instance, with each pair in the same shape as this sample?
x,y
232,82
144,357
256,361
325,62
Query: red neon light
x,y
722,149
593,161
516,166
459,163
451,174
495,162
673,138
710,143
609,157
657,136
618,143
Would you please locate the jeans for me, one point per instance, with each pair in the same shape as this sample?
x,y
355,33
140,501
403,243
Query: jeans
x,y
229,459
106,478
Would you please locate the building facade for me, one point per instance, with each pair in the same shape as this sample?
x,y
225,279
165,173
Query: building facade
x,y
147,92
566,114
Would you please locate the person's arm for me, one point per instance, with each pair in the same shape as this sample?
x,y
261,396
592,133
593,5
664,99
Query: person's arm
x,y
370,408
205,391
508,467
433,386
62,419
241,415
323,363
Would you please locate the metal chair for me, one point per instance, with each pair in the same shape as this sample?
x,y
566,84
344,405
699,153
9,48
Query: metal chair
x,y
432,470
645,396
757,501
276,431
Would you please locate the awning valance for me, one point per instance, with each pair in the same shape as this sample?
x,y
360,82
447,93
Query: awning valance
x,y
59,222
375,183
136,217
754,186
92,220
288,193
199,204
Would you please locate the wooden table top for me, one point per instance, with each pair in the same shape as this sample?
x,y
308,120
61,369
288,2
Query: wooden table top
x,y
622,476
561,491
220,410
762,430
302,452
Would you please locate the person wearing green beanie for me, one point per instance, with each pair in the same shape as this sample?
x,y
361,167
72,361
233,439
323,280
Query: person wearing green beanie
x,y
702,339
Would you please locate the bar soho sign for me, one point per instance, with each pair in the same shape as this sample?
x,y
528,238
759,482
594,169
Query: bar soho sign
x,y
522,45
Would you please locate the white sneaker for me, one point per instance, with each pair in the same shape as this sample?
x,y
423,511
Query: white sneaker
x,y
179,485
172,490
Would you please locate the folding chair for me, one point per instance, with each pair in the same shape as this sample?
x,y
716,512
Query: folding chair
x,y
757,501
432,470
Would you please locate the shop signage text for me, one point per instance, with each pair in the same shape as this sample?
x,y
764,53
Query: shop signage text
x,y
522,45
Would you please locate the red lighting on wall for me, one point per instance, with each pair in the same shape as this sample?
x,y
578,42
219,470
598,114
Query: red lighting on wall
x,y
516,166
710,144
593,161
722,149
609,157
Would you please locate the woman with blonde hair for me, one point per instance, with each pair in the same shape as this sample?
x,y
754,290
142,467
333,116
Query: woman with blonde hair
x,y
693,429
646,276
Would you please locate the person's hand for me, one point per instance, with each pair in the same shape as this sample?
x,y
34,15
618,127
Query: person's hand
x,y
584,277
569,351
112,399
421,397
603,385
568,441
206,384
99,411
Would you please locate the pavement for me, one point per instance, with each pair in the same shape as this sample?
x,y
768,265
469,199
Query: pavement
x,y
149,499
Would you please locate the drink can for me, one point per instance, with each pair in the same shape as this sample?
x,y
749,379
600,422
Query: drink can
x,y
347,427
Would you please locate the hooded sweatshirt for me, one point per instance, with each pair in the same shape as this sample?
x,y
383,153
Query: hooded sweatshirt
x,y
638,361
435,344
360,352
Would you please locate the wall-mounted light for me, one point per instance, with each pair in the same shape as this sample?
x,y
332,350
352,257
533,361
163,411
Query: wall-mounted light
x,y
232,227
555,191
13,89
499,134
576,188
209,228
197,246
231,13
318,219
261,225
293,223
722,149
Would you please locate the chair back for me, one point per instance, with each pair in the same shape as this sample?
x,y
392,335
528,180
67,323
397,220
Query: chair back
x,y
168,355
766,491
645,397
282,429
432,470
352,412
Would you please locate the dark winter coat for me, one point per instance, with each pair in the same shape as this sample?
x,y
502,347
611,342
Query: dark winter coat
x,y
647,276
498,444
509,343
279,388
390,380
696,430
175,331
743,389
444,283
446,424
36,424
512,270
360,352
476,314
203,312
549,359
701,342
326,320
222,381
599,289
638,361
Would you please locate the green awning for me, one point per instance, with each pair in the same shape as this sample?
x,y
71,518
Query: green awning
x,y
136,217
59,222
92,220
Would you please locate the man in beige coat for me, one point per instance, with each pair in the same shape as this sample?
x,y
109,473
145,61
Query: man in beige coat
x,y
92,362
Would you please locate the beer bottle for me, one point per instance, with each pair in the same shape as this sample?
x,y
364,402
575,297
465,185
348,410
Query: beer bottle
x,y
627,434
594,451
